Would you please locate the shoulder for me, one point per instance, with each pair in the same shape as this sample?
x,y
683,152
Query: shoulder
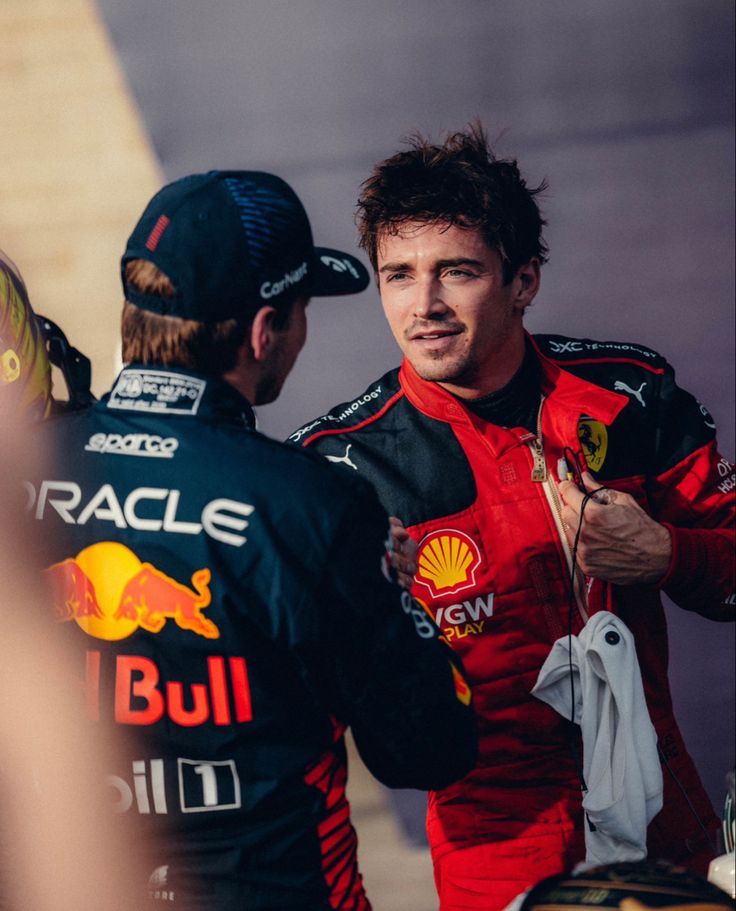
x,y
369,406
205,458
567,351
306,475
629,368
63,423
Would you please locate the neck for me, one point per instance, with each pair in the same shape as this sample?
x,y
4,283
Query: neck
x,y
244,381
517,403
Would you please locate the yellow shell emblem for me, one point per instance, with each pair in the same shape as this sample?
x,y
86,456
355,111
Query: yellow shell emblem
x,y
593,438
447,561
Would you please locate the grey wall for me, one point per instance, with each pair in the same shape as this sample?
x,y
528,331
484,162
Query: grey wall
x,y
625,106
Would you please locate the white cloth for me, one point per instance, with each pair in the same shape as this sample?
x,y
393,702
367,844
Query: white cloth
x,y
620,762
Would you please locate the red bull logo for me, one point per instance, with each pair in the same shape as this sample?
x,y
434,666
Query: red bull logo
x,y
110,594
140,696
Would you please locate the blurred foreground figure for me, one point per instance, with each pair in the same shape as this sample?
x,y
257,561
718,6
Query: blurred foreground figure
x,y
503,453
58,848
29,345
25,372
230,597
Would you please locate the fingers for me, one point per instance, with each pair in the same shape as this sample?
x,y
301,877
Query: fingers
x,y
405,571
589,482
604,495
573,499
405,580
571,496
404,554
406,557
396,527
569,522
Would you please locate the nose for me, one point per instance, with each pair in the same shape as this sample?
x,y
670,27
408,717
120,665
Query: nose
x,y
429,301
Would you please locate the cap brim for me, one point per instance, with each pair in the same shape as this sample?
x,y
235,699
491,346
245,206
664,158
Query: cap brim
x,y
336,272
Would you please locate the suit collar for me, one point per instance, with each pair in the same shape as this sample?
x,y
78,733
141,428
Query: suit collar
x,y
566,390
167,391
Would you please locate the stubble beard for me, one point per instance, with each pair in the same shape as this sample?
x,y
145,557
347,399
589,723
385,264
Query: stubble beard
x,y
437,367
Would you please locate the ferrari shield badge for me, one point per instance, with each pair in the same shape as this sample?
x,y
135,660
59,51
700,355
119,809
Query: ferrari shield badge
x,y
593,438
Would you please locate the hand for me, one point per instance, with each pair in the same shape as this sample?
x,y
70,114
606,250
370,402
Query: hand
x,y
619,542
404,553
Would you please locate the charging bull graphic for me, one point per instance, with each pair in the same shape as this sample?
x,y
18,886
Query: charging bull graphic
x,y
110,593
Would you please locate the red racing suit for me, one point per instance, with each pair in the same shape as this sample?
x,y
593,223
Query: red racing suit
x,y
494,570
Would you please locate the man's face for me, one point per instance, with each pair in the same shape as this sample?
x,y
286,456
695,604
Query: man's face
x,y
443,295
289,341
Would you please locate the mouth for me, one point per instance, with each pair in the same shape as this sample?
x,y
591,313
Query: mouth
x,y
431,336
435,342
435,334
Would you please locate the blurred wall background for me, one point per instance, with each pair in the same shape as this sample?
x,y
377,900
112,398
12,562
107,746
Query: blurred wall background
x,y
76,167
624,106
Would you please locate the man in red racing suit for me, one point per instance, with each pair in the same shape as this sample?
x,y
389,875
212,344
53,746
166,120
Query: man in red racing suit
x,y
465,443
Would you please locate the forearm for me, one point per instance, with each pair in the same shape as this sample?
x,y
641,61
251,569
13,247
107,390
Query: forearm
x,y
400,687
701,576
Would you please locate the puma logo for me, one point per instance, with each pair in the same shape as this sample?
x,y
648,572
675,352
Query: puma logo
x,y
620,386
345,458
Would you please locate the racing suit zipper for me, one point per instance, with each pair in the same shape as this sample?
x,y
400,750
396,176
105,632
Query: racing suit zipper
x,y
540,475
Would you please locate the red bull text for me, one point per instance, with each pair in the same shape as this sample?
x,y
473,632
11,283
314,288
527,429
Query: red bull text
x,y
140,697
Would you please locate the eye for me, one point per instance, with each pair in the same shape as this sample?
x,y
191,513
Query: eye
x,y
396,276
459,273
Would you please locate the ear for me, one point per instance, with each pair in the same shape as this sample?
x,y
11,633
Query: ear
x,y
526,284
262,334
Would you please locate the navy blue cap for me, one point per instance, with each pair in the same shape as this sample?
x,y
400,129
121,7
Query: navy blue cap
x,y
232,242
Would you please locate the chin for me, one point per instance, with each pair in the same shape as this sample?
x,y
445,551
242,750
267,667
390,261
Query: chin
x,y
437,371
266,395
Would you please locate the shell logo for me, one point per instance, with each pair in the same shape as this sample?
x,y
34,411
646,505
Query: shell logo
x,y
447,561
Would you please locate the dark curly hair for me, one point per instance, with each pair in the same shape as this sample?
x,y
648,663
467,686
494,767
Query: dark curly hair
x,y
460,182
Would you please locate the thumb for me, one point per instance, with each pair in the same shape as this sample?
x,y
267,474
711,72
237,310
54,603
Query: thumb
x,y
571,495
570,520
589,481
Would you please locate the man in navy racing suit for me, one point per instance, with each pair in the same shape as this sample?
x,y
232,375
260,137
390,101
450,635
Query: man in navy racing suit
x,y
231,597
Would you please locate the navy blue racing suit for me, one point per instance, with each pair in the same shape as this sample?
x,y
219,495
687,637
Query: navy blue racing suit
x,y
231,601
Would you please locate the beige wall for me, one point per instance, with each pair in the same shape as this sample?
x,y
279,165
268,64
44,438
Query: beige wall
x,y
76,168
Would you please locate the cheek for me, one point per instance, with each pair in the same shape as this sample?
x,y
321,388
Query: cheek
x,y
301,335
394,317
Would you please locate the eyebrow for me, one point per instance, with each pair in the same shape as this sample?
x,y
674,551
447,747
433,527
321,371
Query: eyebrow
x,y
440,264
394,267
461,261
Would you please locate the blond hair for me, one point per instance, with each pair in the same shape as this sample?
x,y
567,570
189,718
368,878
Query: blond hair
x,y
150,338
